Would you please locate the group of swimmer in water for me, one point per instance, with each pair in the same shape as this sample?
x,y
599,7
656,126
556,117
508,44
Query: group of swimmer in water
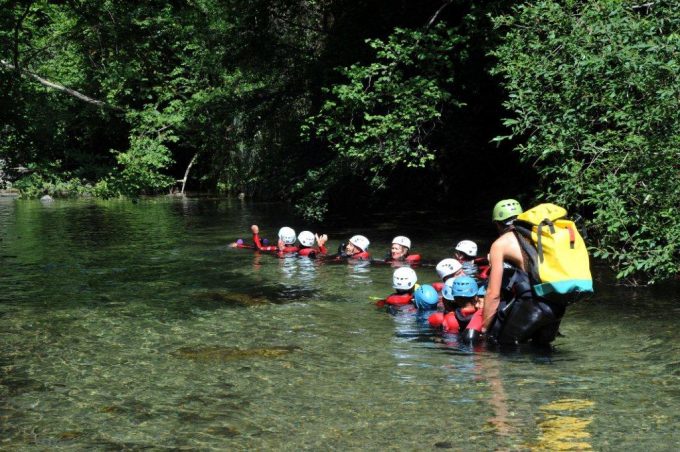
x,y
477,297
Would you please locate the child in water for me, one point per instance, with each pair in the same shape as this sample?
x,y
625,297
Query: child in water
x,y
447,269
466,254
462,309
404,281
306,239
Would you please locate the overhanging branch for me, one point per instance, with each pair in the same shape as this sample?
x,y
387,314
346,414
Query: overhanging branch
x,y
60,87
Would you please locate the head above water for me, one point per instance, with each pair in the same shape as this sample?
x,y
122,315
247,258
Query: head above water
x,y
306,238
400,247
357,244
287,235
506,210
448,268
468,248
426,297
465,287
404,278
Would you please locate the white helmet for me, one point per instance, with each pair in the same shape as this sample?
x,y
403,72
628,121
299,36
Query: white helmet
x,y
467,247
287,235
448,267
306,238
404,278
360,242
401,240
447,290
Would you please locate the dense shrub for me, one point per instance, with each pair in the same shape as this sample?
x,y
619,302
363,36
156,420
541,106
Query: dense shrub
x,y
593,95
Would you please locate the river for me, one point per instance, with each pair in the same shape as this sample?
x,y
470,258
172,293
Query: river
x,y
133,326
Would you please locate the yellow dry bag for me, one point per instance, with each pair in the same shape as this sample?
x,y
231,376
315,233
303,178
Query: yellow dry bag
x,y
558,261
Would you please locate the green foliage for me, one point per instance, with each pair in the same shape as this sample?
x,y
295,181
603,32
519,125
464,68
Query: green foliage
x,y
593,93
383,116
46,181
140,167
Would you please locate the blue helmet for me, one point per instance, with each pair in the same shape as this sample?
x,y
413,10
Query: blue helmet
x,y
426,297
464,286
482,291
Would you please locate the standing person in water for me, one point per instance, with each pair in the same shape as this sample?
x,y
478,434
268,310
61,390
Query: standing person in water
x,y
512,313
399,251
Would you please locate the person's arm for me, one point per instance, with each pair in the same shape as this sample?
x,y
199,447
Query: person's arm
x,y
321,241
257,242
493,291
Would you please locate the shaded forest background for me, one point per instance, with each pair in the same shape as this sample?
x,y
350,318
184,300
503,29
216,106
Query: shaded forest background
x,y
348,105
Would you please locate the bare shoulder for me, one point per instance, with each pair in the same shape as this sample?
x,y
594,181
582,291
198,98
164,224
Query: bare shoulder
x,y
506,240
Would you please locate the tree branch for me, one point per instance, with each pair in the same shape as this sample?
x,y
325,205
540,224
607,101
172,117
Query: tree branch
x,y
60,87
436,14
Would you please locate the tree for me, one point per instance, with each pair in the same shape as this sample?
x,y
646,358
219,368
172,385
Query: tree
x,y
593,93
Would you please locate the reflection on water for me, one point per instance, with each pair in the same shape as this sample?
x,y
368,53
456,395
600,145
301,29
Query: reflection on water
x,y
564,425
135,326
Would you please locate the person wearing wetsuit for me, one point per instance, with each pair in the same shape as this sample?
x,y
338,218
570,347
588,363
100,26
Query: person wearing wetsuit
x,y
307,239
512,312
356,249
476,267
286,243
399,251
404,281
462,309
447,269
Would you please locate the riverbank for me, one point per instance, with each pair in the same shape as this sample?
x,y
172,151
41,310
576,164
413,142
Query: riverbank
x,y
10,193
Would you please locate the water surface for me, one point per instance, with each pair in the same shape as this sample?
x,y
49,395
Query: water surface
x,y
135,326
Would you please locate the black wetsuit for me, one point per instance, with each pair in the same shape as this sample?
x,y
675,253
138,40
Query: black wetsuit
x,y
523,316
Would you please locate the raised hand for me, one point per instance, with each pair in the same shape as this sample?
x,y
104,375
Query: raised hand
x,y
321,239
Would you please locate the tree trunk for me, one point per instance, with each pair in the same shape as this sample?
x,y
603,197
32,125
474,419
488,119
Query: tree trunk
x,y
186,173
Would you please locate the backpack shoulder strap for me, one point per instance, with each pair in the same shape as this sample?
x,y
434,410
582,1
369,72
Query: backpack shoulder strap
x,y
530,256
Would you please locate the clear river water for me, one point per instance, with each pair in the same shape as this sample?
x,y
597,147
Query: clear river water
x,y
129,326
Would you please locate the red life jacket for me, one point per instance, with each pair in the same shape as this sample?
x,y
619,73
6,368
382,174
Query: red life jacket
x,y
450,323
483,267
362,256
311,252
399,299
436,319
413,258
477,321
289,249
484,271
438,286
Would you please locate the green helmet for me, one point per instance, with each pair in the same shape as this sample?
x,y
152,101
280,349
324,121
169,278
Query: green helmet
x,y
505,209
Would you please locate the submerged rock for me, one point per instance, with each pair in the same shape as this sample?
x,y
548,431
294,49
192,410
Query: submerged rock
x,y
47,198
218,353
240,300
70,435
